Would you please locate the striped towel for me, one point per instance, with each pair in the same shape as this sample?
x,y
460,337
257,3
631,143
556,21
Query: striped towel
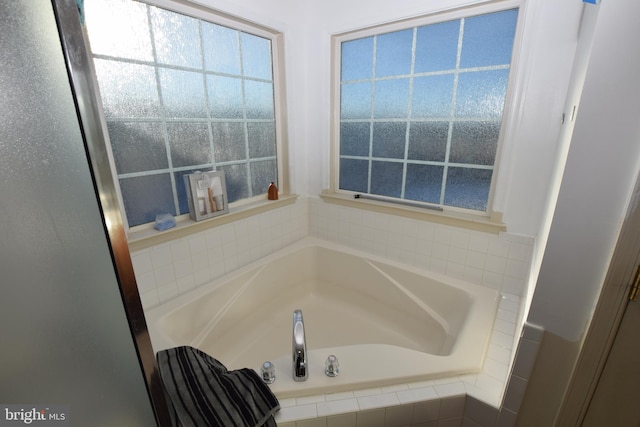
x,y
204,393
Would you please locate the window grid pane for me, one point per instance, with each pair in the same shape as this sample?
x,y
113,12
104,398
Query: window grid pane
x,y
192,95
434,114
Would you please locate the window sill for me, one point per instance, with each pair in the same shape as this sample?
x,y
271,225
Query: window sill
x,y
143,239
485,224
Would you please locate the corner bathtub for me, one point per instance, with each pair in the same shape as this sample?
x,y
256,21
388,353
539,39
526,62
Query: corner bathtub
x,y
386,323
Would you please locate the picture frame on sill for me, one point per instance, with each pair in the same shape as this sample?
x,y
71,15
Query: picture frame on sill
x,y
206,194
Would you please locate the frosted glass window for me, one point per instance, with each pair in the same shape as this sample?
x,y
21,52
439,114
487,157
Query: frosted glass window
x,y
127,24
391,98
141,204
138,146
355,138
424,182
256,56
229,142
421,109
189,143
437,47
176,39
221,46
182,94
262,140
488,39
386,178
357,59
262,172
354,174
393,53
432,96
428,141
389,139
356,101
225,97
128,90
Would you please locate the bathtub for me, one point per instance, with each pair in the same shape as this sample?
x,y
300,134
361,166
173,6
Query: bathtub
x,y
386,323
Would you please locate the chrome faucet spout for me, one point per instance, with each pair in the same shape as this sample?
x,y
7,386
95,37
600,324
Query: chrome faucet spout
x,y
300,371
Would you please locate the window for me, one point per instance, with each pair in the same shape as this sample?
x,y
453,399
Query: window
x,y
183,93
421,108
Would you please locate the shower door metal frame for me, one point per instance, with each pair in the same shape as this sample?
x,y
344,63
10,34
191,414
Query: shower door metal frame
x,y
85,96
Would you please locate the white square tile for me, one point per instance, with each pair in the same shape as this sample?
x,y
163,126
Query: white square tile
x,y
450,390
473,275
398,416
498,247
161,256
164,276
450,422
417,395
150,299
370,418
426,411
502,340
394,388
339,396
314,422
197,243
185,284
452,407
182,267
517,269
506,418
480,412
294,413
146,281
179,249
343,420
142,262
485,396
421,384
378,401
495,369
498,353
492,280
305,400
514,285
367,392
495,264
514,393
478,242
505,326
476,259
492,385
285,403
525,358
334,407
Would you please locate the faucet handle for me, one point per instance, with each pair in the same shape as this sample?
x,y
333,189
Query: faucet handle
x,y
332,366
268,372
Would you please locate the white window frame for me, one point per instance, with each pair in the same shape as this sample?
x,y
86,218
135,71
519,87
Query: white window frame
x,y
248,206
459,216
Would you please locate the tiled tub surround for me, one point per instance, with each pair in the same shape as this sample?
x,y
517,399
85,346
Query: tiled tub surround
x,y
387,323
500,262
174,268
